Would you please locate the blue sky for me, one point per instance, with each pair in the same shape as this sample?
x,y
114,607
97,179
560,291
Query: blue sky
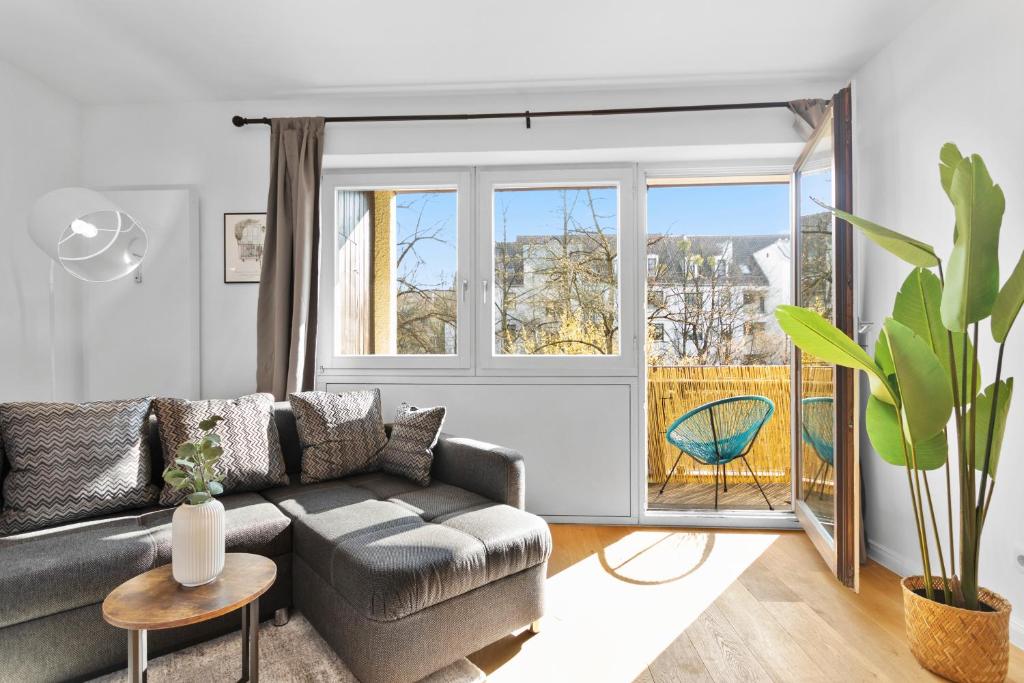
x,y
719,209
539,212
688,210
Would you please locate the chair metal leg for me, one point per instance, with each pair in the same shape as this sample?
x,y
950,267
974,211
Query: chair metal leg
x,y
749,469
716,488
824,480
725,480
670,473
814,480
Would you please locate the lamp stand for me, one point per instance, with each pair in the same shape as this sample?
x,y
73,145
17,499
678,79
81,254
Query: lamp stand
x,y
53,334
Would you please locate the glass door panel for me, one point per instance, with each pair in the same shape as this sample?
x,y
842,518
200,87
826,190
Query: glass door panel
x,y
826,478
815,289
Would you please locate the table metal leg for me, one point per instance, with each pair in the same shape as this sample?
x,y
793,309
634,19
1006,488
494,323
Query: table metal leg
x,y
137,656
251,641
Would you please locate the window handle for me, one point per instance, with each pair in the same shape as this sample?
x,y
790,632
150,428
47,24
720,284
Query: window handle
x,y
465,290
483,292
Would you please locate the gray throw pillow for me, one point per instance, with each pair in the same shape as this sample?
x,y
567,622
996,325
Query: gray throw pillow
x,y
409,452
340,434
69,461
252,458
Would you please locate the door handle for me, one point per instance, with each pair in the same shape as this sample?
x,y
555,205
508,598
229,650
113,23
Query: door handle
x,y
465,290
483,292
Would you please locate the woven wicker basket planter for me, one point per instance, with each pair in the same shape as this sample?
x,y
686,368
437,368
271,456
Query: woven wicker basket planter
x,y
958,644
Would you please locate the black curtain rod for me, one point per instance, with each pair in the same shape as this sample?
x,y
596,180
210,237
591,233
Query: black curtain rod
x,y
242,121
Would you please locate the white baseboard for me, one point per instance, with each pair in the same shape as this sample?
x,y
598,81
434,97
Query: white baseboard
x,y
898,564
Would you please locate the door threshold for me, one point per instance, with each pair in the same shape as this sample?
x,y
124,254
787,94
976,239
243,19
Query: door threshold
x,y
778,520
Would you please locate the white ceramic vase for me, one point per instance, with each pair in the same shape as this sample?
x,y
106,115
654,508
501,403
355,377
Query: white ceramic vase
x,y
197,543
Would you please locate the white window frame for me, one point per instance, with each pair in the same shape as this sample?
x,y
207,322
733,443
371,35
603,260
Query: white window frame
x,y
490,363
334,180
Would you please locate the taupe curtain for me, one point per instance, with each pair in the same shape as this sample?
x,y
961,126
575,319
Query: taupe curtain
x,y
286,315
809,115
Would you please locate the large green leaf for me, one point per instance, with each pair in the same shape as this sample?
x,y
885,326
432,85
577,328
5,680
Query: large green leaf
x,y
918,306
883,358
817,336
1008,303
983,407
924,388
972,277
949,157
883,427
914,252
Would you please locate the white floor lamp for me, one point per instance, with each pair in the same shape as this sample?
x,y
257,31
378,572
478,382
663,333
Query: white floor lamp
x,y
90,237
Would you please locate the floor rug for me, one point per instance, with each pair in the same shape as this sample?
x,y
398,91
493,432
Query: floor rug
x,y
293,652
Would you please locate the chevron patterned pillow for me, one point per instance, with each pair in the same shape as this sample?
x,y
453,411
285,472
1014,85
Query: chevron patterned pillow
x,y
69,461
410,450
252,458
340,434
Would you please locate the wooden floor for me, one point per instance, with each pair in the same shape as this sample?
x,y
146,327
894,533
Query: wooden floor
x,y
650,605
701,496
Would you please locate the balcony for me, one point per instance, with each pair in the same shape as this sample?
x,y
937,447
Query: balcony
x,y
674,390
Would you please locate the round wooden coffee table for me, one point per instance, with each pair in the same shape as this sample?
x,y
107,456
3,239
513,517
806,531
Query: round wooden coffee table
x,y
154,601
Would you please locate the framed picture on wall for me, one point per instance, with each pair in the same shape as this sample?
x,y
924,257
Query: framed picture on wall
x,y
243,246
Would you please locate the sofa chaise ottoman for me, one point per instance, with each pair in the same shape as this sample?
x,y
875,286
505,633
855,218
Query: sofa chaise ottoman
x,y
401,580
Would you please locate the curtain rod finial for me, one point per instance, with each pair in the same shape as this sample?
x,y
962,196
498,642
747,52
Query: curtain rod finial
x,y
238,121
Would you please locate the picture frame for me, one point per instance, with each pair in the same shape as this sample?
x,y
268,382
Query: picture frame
x,y
244,233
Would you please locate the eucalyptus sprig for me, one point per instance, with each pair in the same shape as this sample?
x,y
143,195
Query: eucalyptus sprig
x,y
193,467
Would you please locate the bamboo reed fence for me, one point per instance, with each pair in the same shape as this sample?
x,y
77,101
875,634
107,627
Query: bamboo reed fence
x,y
672,391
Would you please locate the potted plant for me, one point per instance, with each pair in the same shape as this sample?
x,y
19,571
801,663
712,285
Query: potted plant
x,y
930,410
197,526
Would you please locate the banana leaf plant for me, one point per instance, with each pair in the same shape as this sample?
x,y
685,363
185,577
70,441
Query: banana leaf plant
x,y
928,409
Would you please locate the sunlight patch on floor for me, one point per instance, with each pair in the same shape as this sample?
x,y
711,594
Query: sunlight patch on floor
x,y
611,614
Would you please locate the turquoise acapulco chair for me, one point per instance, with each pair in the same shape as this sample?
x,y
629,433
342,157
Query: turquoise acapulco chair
x,y
817,421
719,432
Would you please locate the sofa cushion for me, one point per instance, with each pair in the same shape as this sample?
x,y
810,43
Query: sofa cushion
x,y
252,524
69,461
391,557
393,572
437,500
409,452
52,570
252,457
324,514
514,540
340,434
381,484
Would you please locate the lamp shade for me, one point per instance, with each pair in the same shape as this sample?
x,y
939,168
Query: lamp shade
x,y
87,234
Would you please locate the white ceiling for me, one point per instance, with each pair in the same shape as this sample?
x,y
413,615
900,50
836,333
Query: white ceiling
x,y
115,51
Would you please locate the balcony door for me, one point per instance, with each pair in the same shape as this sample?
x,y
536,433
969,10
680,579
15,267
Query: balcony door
x,y
826,481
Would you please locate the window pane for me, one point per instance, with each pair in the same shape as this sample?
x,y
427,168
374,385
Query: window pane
x,y
722,253
556,271
395,272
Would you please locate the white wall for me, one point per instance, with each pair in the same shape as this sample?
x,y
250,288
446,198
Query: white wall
x,y
195,144
39,151
954,75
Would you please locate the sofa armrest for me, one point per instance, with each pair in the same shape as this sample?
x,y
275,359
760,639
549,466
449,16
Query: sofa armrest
x,y
492,471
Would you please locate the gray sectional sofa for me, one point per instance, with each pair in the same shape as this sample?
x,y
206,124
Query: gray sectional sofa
x,y
401,580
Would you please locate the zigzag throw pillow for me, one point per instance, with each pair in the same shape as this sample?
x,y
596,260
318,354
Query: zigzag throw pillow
x,y
340,434
252,458
68,461
410,450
